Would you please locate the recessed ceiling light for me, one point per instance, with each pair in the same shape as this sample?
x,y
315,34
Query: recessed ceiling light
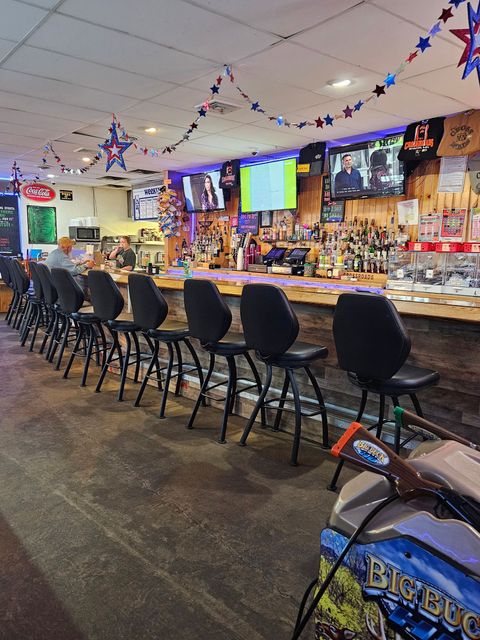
x,y
151,130
50,175
338,84
85,159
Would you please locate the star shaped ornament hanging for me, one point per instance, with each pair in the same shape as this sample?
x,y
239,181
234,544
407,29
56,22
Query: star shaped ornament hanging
x,y
473,52
114,149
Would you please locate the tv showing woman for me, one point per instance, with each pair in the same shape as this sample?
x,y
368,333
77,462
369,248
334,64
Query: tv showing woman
x,y
209,198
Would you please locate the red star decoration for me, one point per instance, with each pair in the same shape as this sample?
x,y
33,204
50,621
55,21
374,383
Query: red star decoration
x,y
464,35
232,77
219,80
194,125
319,122
446,14
411,57
348,111
379,90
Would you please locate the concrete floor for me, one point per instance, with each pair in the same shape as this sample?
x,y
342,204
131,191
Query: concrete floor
x,y
117,525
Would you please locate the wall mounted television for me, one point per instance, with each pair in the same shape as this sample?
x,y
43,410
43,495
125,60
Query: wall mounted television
x,y
367,170
269,186
202,192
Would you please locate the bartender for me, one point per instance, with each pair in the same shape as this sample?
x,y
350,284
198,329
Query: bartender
x,y
123,255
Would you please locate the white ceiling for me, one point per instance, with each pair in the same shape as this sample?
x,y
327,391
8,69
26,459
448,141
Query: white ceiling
x,y
66,65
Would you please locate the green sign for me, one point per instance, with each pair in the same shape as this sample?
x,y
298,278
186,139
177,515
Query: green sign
x,y
42,225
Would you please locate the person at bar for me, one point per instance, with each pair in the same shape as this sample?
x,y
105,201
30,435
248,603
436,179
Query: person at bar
x,y
61,258
124,256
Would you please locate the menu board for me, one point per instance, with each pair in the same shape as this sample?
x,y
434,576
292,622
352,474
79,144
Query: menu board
x,y
145,203
330,211
248,223
9,226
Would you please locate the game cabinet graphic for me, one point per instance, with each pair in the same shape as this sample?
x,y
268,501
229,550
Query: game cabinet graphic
x,y
395,589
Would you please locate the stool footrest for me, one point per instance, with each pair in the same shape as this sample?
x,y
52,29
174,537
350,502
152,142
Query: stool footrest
x,y
249,385
187,367
291,409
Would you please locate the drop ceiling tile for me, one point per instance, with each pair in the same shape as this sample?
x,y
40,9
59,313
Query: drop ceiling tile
x,y
447,82
183,26
47,107
18,19
284,17
121,51
5,47
87,74
392,40
270,134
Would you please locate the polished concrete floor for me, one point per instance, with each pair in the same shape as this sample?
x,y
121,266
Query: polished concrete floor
x,y
117,525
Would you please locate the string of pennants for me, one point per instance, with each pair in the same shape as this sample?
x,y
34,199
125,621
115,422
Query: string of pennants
x,y
120,140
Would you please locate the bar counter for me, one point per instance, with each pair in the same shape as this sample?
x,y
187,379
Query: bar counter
x,y
444,330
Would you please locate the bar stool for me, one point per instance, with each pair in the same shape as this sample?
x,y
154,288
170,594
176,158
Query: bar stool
x,y
8,280
88,326
150,310
50,338
108,304
271,329
35,314
21,284
209,320
372,346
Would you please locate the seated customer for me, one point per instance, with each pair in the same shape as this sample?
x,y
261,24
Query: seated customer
x,y
61,258
123,255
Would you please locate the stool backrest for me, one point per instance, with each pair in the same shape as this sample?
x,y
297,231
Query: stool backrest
x,y
20,277
70,295
209,317
148,304
106,298
49,291
370,337
269,322
5,271
37,284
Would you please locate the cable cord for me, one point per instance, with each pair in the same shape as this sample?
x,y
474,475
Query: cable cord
x,y
301,622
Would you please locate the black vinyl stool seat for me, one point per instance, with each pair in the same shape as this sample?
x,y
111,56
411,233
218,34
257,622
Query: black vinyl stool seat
x,y
56,318
150,310
372,346
88,326
271,329
209,320
35,316
5,272
108,304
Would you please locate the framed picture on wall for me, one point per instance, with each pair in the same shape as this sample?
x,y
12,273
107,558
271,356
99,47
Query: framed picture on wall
x,y
42,225
266,218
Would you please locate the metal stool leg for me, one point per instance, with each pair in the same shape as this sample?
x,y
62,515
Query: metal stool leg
x,y
197,365
281,403
321,402
232,375
168,377
261,398
91,339
113,348
126,360
381,417
416,404
263,412
298,417
138,354
202,390
66,330
48,330
154,361
179,369
76,346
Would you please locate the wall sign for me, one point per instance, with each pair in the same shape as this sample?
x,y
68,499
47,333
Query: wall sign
x,y
38,192
330,211
248,223
9,226
66,195
42,225
145,203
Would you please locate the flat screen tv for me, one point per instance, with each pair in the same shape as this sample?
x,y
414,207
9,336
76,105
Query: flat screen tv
x,y
367,169
202,192
269,186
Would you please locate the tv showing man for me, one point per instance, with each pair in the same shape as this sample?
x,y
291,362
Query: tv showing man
x,y
349,179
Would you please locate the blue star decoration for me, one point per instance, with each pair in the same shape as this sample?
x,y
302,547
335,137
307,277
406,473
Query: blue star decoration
x,y
214,88
389,80
329,120
358,106
473,60
115,149
254,106
435,29
300,125
423,44
202,113
456,2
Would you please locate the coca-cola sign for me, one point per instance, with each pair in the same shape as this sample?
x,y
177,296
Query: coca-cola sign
x,y
38,192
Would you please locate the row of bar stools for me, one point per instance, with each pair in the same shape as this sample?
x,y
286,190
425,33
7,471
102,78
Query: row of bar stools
x,y
150,313
36,315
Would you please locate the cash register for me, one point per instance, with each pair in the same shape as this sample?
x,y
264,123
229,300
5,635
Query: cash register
x,y
294,263
274,256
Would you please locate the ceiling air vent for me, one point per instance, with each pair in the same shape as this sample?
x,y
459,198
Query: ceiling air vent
x,y
220,106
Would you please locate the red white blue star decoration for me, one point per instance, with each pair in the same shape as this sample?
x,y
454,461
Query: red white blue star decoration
x,y
114,148
471,38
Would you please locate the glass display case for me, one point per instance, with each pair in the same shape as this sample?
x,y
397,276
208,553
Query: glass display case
x,y
429,274
401,270
462,274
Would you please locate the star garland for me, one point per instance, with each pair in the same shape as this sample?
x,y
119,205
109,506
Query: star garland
x,y
470,56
